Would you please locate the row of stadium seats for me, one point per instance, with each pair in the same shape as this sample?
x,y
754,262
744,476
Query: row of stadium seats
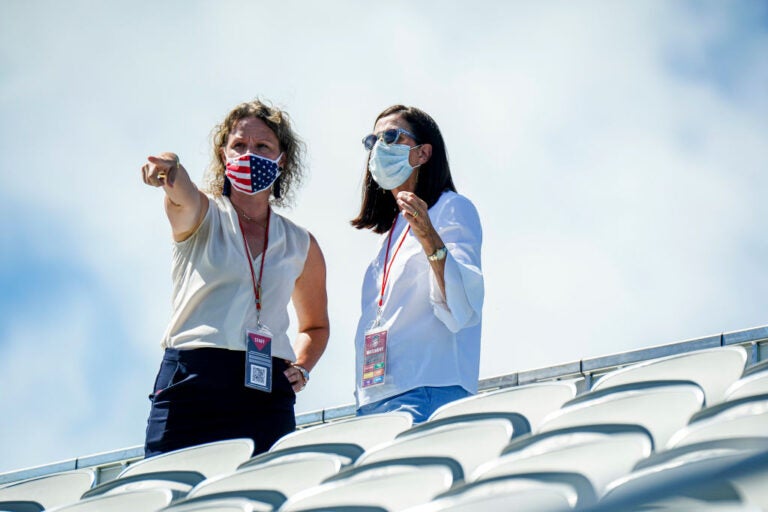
x,y
684,432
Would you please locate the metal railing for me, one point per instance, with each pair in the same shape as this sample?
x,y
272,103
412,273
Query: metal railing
x,y
109,464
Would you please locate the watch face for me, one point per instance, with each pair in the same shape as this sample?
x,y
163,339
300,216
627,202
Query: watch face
x,y
438,254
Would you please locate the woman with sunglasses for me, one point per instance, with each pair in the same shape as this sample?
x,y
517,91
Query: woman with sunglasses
x,y
417,344
229,369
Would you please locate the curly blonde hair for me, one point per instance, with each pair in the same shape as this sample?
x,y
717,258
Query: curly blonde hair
x,y
292,147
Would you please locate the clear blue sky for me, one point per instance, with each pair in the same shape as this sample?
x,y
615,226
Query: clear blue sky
x,y
616,152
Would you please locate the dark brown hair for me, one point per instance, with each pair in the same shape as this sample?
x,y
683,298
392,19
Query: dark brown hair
x,y
379,209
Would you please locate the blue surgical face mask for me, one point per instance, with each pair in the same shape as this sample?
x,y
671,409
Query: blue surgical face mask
x,y
389,164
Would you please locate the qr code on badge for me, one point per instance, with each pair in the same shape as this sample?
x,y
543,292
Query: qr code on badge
x,y
258,375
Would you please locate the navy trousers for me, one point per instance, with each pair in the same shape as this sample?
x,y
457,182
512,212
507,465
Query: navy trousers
x,y
199,396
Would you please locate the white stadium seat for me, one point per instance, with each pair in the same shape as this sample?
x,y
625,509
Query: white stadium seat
x,y
600,456
471,444
727,477
660,407
562,490
713,369
147,500
287,475
684,433
346,452
747,417
533,401
52,490
534,499
364,431
178,482
750,385
222,505
392,488
209,459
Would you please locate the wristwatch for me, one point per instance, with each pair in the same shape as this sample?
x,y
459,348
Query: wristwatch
x,y
304,372
438,255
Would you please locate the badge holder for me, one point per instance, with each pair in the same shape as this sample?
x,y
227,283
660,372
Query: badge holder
x,y
258,341
258,359
374,356
375,343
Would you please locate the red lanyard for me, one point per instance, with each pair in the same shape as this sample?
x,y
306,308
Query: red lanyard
x,y
387,270
257,286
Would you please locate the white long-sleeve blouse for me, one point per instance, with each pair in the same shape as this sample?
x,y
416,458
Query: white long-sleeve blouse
x,y
432,339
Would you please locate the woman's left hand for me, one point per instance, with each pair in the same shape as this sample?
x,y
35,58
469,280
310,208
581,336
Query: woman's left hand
x,y
296,378
416,212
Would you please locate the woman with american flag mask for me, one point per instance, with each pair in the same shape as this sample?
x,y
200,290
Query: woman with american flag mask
x,y
229,368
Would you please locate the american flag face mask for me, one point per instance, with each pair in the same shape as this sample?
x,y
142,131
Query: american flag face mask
x,y
250,174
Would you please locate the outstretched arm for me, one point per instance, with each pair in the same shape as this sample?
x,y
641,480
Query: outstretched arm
x,y
185,205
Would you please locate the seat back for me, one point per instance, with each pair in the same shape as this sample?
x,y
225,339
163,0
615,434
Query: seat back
x,y
209,459
471,444
287,476
392,487
364,431
713,369
518,422
51,490
732,478
573,487
746,418
661,407
346,452
221,505
178,482
750,385
533,401
534,499
146,500
601,458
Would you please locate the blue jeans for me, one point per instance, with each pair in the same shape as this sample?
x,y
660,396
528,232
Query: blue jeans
x,y
418,402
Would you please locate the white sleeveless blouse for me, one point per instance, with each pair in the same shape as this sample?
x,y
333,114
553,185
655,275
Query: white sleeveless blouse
x,y
213,300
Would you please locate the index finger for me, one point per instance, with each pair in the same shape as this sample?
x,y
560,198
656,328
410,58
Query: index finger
x,y
163,161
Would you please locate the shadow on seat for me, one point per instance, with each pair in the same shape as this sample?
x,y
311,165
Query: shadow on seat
x,y
519,423
601,453
743,417
178,482
574,487
391,487
20,506
349,453
730,478
451,464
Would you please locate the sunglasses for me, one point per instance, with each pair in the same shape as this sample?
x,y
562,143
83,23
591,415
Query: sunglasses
x,y
388,136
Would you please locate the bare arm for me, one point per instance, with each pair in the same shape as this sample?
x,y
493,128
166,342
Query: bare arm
x,y
311,303
185,205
